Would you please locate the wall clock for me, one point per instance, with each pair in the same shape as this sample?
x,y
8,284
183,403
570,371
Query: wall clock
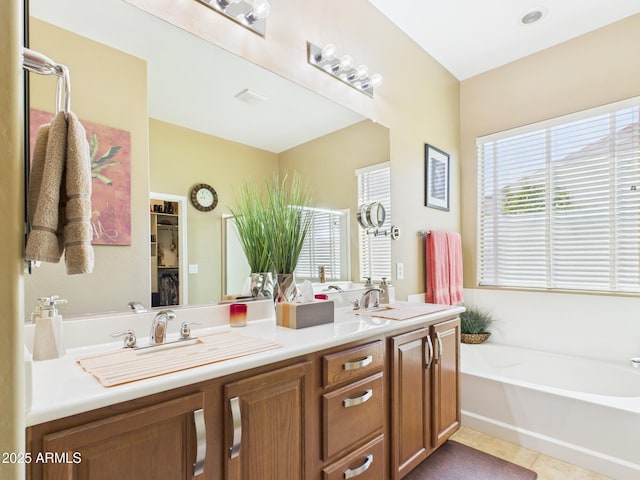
x,y
204,197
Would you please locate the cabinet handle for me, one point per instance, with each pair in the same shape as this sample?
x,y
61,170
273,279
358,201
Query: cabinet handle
x,y
439,356
358,364
354,472
429,352
236,416
201,442
352,402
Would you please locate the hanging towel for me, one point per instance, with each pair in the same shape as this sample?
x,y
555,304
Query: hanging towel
x,y
444,268
78,232
456,291
45,238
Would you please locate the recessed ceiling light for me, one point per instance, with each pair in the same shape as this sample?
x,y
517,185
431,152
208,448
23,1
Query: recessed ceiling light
x,y
532,16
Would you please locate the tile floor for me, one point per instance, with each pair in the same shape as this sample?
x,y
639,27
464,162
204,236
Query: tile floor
x,y
547,468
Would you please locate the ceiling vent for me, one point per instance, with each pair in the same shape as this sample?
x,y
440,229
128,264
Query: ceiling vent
x,y
250,97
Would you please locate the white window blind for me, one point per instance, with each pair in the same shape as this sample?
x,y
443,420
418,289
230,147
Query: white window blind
x,y
326,244
559,203
374,185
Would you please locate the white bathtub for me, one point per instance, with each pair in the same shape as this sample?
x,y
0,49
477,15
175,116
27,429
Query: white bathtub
x,y
582,411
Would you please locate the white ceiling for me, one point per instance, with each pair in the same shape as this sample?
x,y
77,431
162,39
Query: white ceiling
x,y
469,37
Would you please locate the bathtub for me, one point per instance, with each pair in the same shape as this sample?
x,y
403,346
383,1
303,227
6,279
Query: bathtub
x,y
582,411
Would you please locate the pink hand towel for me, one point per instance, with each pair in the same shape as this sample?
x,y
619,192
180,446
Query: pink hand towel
x,y
456,291
444,268
437,256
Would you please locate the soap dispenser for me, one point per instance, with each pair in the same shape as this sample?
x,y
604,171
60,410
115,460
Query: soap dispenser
x,y
48,342
387,295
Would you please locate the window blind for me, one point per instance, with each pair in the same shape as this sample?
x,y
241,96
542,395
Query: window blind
x,y
326,244
559,203
374,185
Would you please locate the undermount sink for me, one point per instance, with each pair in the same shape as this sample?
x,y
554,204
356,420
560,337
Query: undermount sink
x,y
130,365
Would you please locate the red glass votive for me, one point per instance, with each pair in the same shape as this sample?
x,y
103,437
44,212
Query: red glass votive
x,y
238,314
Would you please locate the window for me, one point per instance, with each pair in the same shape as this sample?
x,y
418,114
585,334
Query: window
x,y
374,185
326,244
559,203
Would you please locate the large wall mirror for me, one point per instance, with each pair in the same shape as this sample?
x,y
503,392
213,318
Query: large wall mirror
x,y
176,97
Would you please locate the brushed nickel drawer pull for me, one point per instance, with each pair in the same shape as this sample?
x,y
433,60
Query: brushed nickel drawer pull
x,y
354,472
352,402
368,360
236,416
429,352
439,356
201,442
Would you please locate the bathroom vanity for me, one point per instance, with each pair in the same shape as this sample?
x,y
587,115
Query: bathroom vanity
x,y
363,397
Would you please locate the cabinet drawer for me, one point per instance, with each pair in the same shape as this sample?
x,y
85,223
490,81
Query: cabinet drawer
x,y
351,413
353,363
366,463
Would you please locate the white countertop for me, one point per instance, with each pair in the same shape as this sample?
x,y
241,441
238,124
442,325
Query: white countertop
x,y
60,387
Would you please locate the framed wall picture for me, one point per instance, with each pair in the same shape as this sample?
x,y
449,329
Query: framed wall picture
x,y
436,178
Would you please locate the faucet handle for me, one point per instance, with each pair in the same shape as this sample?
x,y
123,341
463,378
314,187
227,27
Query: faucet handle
x,y
185,330
129,337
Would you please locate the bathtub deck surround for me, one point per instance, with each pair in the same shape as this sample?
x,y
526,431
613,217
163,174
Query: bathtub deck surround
x,y
578,410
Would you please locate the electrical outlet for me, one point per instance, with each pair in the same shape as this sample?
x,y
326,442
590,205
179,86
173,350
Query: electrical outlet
x,y
399,271
193,268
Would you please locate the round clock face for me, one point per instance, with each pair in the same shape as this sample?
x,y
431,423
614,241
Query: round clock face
x,y
204,197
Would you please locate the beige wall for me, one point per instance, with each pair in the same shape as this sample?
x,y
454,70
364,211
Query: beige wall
x,y
595,69
105,84
329,163
418,101
11,218
180,158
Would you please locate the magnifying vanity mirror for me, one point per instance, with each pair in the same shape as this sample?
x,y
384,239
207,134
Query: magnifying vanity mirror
x,y
188,125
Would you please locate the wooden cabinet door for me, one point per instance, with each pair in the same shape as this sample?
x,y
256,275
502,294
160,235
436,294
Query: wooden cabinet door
x,y
151,443
446,380
410,400
266,423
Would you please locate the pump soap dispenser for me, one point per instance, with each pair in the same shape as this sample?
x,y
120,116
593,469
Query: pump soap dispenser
x,y
48,341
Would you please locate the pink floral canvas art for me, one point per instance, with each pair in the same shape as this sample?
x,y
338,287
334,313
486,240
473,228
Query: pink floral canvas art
x,y
111,178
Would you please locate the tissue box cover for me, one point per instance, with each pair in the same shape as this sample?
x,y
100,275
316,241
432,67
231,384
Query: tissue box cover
x,y
306,314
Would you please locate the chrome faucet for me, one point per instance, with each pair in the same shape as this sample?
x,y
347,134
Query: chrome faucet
x,y
159,326
367,296
137,307
334,287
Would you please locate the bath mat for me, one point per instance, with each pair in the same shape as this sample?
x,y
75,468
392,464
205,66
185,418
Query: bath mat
x,y
455,461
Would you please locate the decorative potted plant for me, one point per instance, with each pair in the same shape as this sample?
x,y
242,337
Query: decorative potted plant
x,y
272,225
287,221
474,325
249,216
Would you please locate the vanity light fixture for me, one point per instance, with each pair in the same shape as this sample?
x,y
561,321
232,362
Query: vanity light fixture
x,y
342,68
250,14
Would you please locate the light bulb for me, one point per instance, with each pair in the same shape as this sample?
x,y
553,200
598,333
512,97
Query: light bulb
x,y
261,9
328,52
346,63
362,72
375,80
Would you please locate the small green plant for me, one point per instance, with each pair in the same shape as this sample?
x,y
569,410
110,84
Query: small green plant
x,y
475,320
